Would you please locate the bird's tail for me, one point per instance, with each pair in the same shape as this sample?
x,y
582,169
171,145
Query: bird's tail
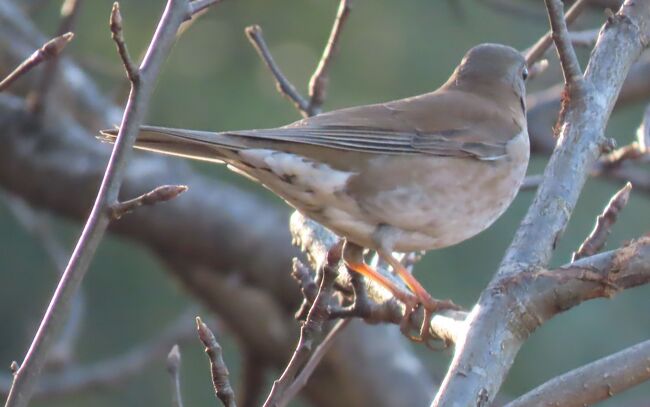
x,y
198,145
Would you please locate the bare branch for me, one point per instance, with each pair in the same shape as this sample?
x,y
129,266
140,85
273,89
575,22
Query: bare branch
x,y
598,237
49,50
376,305
568,59
586,38
318,81
304,375
115,24
309,331
643,134
481,361
536,52
174,367
253,382
116,370
218,368
39,97
197,6
160,194
58,310
594,382
256,37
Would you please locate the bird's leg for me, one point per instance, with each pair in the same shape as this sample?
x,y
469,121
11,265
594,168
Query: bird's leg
x,y
429,304
353,259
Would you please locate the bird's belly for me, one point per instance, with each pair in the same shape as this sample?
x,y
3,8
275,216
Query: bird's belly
x,y
457,199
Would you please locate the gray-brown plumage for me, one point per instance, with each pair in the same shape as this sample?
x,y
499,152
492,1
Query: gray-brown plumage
x,y
413,174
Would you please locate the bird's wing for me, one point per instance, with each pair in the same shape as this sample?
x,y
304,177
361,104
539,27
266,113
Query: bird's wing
x,y
449,142
449,124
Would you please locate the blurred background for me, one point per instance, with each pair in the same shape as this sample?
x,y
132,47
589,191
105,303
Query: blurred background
x,y
214,80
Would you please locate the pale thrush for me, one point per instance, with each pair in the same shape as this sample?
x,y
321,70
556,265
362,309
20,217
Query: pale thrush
x,y
414,174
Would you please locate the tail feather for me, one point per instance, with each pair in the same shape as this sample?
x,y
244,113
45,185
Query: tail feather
x,y
198,145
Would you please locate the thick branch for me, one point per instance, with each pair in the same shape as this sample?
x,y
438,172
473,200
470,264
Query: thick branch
x,y
594,382
496,330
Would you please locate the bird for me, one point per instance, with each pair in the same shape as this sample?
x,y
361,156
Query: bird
x,y
414,174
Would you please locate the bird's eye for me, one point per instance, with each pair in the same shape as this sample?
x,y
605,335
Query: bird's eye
x,y
524,73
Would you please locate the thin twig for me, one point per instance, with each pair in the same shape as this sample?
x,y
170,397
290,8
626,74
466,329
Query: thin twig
x,y
38,225
586,38
58,310
594,382
218,368
643,134
535,52
568,59
285,87
160,194
49,50
320,351
115,370
115,24
318,81
39,98
174,367
253,375
309,331
598,237
531,182
197,6
632,151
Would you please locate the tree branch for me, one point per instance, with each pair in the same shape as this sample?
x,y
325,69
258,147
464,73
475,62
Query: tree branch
x,y
318,81
496,328
218,368
594,382
24,383
538,50
285,87
598,237
49,50
568,59
174,367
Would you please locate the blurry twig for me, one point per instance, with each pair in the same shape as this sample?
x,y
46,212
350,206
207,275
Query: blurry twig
x,y
218,367
69,12
256,37
598,237
58,310
253,379
38,225
49,50
160,194
586,38
643,134
301,380
534,53
319,79
174,367
309,331
117,369
531,182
